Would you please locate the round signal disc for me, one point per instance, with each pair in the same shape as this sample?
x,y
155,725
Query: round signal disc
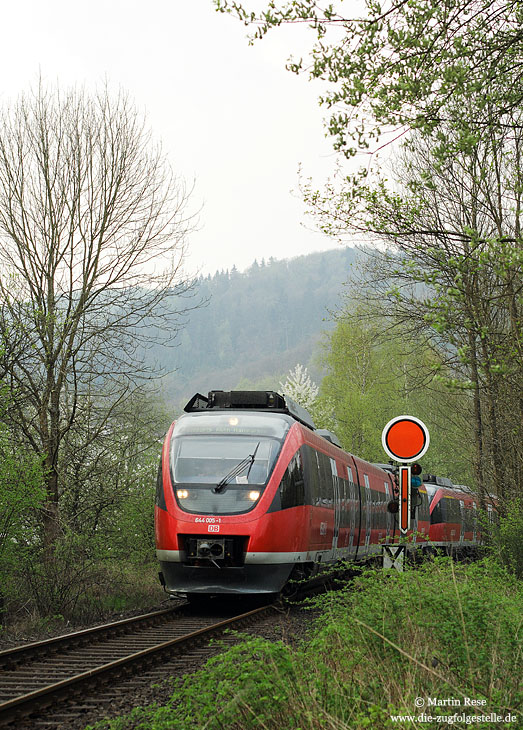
x,y
405,438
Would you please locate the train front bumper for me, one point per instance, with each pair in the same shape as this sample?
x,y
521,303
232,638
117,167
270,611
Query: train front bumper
x,y
250,578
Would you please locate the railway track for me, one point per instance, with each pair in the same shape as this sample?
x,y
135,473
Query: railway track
x,y
36,679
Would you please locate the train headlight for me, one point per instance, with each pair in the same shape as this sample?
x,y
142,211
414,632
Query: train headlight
x,y
253,496
233,421
182,493
204,549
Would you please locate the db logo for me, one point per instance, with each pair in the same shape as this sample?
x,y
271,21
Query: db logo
x,y
213,528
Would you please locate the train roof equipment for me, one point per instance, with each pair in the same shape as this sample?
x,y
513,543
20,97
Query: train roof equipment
x,y
440,481
385,467
254,400
329,436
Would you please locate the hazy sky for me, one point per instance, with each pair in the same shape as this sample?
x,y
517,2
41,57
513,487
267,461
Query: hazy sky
x,y
228,114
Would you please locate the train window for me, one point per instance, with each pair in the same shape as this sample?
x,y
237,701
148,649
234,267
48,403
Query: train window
x,y
447,510
453,510
436,516
318,478
383,510
160,496
366,495
473,516
423,509
431,491
344,495
207,459
378,500
466,513
292,487
386,513
312,475
352,503
326,480
200,461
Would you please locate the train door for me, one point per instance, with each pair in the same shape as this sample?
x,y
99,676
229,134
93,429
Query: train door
x,y
474,521
368,512
414,524
359,508
384,525
353,502
463,519
336,494
423,517
386,517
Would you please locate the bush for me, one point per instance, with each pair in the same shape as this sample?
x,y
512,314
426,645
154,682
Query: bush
x,y
21,495
507,538
443,630
78,584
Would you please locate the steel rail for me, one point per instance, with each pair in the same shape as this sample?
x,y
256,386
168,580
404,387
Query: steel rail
x,y
19,707
13,656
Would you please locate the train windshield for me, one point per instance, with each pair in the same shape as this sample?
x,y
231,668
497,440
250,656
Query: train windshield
x,y
205,449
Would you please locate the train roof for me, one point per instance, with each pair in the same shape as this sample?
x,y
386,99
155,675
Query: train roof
x,y
259,401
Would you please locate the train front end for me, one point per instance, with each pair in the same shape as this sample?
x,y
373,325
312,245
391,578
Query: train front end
x,y
222,462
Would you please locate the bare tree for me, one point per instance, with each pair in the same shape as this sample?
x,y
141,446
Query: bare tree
x,y
92,236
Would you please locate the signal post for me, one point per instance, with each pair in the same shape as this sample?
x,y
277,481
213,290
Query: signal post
x,y
405,439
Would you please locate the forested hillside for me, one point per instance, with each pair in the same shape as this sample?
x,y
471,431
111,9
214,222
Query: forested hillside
x,y
255,324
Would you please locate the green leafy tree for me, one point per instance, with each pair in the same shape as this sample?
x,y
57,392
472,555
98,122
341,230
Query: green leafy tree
x,y
109,464
394,67
453,277
108,467
372,378
361,396
22,494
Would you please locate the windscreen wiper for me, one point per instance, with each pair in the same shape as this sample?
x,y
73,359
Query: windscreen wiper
x,y
236,471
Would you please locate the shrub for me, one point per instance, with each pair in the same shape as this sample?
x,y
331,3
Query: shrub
x,y
443,630
507,537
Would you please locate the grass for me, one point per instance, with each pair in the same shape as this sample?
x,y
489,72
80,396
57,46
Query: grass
x,y
380,646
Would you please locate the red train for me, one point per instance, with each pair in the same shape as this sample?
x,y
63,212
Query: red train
x,y
249,495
